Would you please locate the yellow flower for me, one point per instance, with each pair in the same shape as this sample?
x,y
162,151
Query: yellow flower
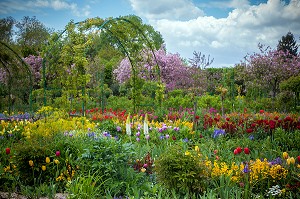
x,y
7,168
44,168
187,153
56,161
143,169
47,160
30,163
197,148
285,155
290,161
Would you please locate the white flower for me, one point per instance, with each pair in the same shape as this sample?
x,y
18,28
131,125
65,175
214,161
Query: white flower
x,y
128,126
146,128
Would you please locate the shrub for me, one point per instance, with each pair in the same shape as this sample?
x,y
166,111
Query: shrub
x,y
185,172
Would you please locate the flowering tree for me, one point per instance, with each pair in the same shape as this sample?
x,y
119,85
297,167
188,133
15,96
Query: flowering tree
x,y
36,66
173,73
270,67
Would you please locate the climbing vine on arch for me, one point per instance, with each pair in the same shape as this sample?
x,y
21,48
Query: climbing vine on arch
x,y
72,56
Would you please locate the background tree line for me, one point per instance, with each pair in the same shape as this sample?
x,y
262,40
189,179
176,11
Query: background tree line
x,y
101,63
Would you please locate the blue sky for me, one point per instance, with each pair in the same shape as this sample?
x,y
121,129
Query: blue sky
x,y
227,30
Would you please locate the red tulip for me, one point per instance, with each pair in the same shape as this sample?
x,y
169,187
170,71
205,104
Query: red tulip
x,y
246,150
298,158
57,153
239,149
173,137
261,111
235,152
249,130
7,151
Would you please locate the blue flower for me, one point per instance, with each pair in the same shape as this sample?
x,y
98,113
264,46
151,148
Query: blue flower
x,y
251,137
246,169
92,134
185,140
218,132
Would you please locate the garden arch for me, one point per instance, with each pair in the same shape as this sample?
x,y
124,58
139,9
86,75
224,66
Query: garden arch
x,y
100,27
16,81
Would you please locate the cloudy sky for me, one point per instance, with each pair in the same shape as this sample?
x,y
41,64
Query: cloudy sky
x,y
227,30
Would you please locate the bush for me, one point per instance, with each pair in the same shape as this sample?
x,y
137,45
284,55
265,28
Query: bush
x,y
181,171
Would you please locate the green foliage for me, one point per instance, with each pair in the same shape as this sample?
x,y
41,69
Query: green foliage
x,y
88,186
181,172
36,152
209,101
109,158
291,84
287,141
119,103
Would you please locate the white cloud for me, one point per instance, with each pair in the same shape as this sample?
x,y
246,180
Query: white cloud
x,y
228,39
166,9
10,6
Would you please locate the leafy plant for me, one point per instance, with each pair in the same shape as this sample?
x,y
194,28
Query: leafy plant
x,y
181,171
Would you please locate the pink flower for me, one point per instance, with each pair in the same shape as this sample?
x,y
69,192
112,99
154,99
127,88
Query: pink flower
x,y
57,153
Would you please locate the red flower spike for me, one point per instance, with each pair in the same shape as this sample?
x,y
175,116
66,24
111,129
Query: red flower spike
x,y
7,151
246,150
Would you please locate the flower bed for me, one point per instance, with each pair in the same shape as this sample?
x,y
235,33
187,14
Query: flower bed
x,y
118,154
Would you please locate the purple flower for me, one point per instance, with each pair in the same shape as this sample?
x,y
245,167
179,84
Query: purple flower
x,y
92,134
185,140
147,137
118,128
138,134
278,160
167,136
218,132
106,134
137,139
176,128
161,137
246,169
